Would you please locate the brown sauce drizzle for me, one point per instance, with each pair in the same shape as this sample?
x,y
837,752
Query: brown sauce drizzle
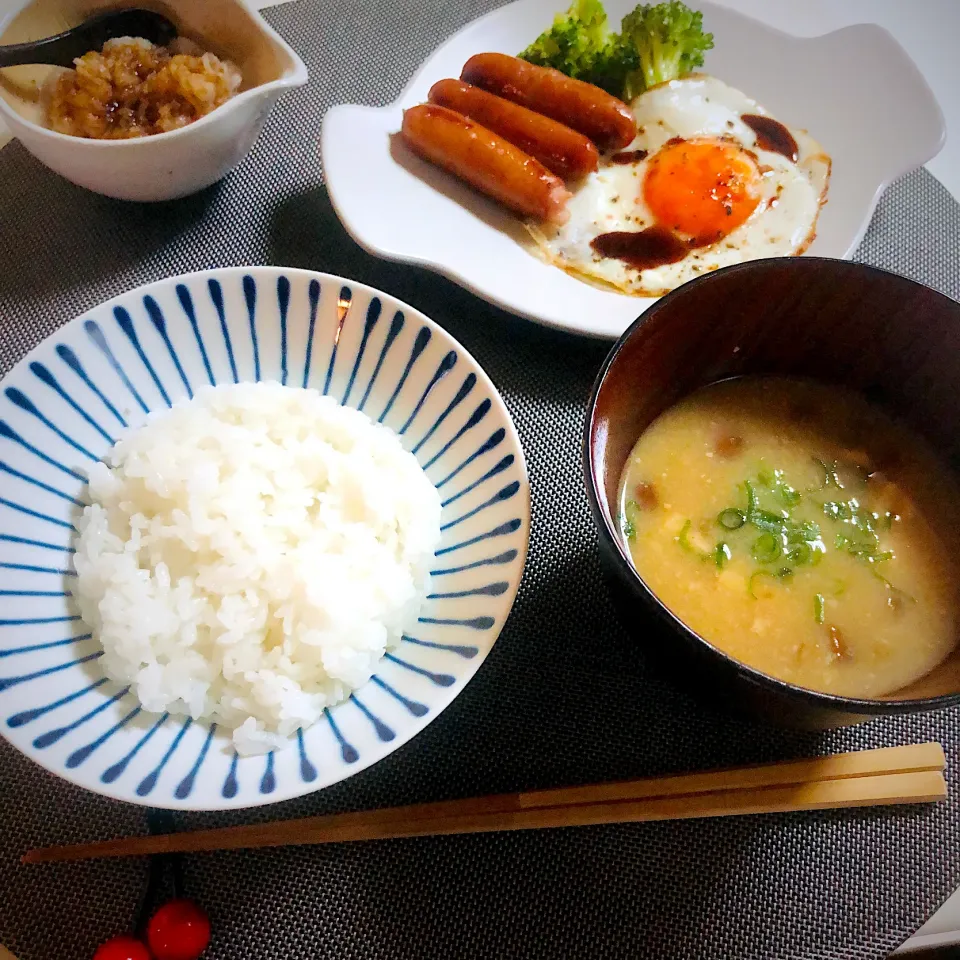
x,y
628,156
772,135
644,250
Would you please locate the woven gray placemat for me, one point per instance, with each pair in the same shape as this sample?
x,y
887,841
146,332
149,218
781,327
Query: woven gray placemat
x,y
562,699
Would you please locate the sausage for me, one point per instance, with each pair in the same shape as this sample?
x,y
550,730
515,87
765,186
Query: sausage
x,y
486,161
564,151
606,120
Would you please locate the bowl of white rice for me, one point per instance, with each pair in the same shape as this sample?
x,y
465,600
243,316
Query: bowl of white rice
x,y
258,527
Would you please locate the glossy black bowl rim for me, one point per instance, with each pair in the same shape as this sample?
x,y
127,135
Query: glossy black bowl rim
x,y
789,691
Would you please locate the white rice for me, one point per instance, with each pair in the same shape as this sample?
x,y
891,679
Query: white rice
x,y
248,557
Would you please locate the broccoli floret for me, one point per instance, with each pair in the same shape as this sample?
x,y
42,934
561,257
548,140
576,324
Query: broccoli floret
x,y
655,43
577,43
660,43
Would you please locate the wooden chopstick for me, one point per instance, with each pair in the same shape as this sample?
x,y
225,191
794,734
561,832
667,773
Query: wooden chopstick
x,y
911,774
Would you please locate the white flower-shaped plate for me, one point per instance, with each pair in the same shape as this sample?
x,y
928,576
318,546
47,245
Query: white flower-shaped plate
x,y
855,90
60,410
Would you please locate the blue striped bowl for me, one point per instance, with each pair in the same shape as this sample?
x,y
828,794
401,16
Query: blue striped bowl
x,y
60,410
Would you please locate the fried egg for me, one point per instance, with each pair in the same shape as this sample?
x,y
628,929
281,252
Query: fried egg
x,y
710,180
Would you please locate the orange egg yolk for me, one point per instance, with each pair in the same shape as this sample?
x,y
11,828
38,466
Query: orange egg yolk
x,y
702,189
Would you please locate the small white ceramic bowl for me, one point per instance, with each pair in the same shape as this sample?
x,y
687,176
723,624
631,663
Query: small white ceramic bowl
x,y
167,165
855,90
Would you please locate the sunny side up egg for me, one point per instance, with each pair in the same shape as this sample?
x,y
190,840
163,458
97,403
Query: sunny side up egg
x,y
699,188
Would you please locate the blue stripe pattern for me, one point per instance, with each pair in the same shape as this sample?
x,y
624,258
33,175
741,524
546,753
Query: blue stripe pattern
x,y
481,411
186,301
373,315
461,650
8,433
28,716
283,301
382,730
66,407
396,325
70,359
216,297
268,782
21,400
147,784
446,365
347,750
343,311
29,542
185,786
419,345
413,706
125,322
314,294
52,736
45,376
80,755
468,384
113,773
160,325
440,679
100,341
308,772
250,295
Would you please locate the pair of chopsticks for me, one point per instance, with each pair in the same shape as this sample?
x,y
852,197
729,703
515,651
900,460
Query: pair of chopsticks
x,y
911,774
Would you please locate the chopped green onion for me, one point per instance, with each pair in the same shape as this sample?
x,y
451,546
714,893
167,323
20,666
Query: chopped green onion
x,y
683,538
768,521
790,496
835,510
830,476
799,554
752,582
628,522
731,518
766,548
896,591
721,555
818,607
784,573
774,480
807,532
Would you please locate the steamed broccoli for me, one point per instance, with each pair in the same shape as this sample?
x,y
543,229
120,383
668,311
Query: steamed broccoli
x,y
576,44
661,43
656,43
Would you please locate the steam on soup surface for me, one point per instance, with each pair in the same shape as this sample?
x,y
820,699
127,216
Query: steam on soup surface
x,y
799,530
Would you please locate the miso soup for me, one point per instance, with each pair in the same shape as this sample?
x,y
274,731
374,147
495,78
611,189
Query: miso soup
x,y
800,530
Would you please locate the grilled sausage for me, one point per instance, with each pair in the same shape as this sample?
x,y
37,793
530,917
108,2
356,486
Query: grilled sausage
x,y
485,161
606,120
564,151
